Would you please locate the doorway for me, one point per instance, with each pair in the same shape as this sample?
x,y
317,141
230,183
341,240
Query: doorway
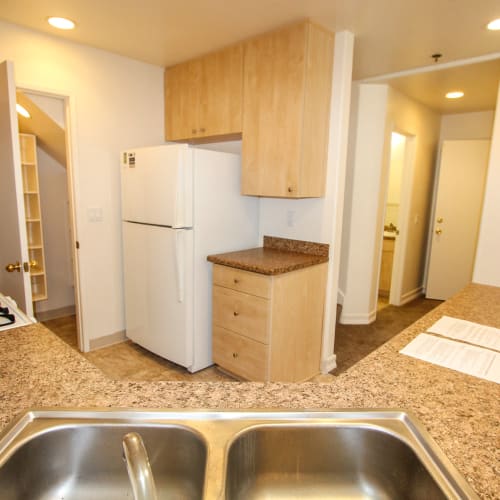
x,y
49,128
396,226
391,219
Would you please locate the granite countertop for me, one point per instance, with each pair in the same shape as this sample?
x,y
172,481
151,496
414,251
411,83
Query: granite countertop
x,y
459,411
277,256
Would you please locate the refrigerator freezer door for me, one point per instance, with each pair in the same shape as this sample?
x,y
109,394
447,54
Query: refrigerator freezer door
x,y
159,290
157,185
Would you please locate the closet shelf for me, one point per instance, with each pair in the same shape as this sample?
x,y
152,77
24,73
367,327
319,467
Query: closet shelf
x,y
34,229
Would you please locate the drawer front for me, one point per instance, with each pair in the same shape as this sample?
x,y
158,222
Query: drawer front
x,y
244,357
243,281
241,313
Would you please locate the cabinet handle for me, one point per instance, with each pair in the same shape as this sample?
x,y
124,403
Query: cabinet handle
x,y
290,189
235,355
236,313
236,281
193,131
202,130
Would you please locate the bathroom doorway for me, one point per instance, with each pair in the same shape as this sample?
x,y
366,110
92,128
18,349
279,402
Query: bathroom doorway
x,y
395,220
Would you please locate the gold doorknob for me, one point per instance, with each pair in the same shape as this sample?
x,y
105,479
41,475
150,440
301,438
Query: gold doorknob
x,y
439,230
10,268
440,220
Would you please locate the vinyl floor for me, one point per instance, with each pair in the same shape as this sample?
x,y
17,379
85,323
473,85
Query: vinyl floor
x,y
128,361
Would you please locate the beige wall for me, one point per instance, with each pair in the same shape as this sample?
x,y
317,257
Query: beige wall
x,y
56,234
458,126
362,228
381,110
411,118
115,103
487,267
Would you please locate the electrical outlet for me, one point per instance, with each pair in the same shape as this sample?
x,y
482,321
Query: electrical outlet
x,y
94,214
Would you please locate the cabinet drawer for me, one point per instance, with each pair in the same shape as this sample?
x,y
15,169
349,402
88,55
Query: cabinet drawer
x,y
243,281
242,356
241,313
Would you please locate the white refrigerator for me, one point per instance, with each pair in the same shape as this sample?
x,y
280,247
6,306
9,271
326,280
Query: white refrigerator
x,y
179,204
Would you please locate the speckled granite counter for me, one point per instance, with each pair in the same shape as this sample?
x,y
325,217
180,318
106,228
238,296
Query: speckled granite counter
x,y
277,256
460,412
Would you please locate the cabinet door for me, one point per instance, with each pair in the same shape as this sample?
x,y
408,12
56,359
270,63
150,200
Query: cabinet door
x,y
182,94
221,89
384,286
274,83
240,355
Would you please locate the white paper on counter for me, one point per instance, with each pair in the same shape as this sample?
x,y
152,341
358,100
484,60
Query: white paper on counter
x,y
464,358
473,333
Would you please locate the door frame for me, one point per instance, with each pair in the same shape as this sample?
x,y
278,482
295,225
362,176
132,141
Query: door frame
x,y
398,266
73,194
396,287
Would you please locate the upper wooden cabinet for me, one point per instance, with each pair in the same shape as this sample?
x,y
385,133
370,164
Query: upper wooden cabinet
x,y
203,97
286,107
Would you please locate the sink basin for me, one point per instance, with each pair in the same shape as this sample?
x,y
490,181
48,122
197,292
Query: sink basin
x,y
326,462
232,455
85,462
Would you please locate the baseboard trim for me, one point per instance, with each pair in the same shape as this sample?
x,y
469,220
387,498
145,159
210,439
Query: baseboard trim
x,y
357,319
328,364
412,295
61,312
106,340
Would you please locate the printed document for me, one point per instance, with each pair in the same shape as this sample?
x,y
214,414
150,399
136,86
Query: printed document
x,y
467,331
465,358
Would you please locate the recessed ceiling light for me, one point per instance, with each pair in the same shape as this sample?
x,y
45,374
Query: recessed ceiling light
x,y
494,25
61,23
22,111
456,94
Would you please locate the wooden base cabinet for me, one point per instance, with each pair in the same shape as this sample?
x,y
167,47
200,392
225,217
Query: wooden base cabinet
x,y
268,328
384,287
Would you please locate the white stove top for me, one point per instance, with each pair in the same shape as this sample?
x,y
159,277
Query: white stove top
x,y
20,318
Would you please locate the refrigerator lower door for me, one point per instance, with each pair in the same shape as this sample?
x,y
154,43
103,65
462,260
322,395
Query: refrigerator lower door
x,y
158,290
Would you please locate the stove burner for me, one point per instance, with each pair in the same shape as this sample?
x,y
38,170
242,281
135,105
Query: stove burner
x,y
5,317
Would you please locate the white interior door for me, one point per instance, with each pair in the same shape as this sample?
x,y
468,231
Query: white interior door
x,y
457,215
13,242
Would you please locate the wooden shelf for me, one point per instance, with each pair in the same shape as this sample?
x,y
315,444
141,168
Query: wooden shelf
x,y
33,214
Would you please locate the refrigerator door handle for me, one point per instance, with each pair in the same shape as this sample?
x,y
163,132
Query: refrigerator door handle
x,y
179,265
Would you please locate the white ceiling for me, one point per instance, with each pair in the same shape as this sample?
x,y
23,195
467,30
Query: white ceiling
x,y
390,35
478,81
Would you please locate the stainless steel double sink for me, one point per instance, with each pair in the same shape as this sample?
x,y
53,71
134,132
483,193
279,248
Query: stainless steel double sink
x,y
379,454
